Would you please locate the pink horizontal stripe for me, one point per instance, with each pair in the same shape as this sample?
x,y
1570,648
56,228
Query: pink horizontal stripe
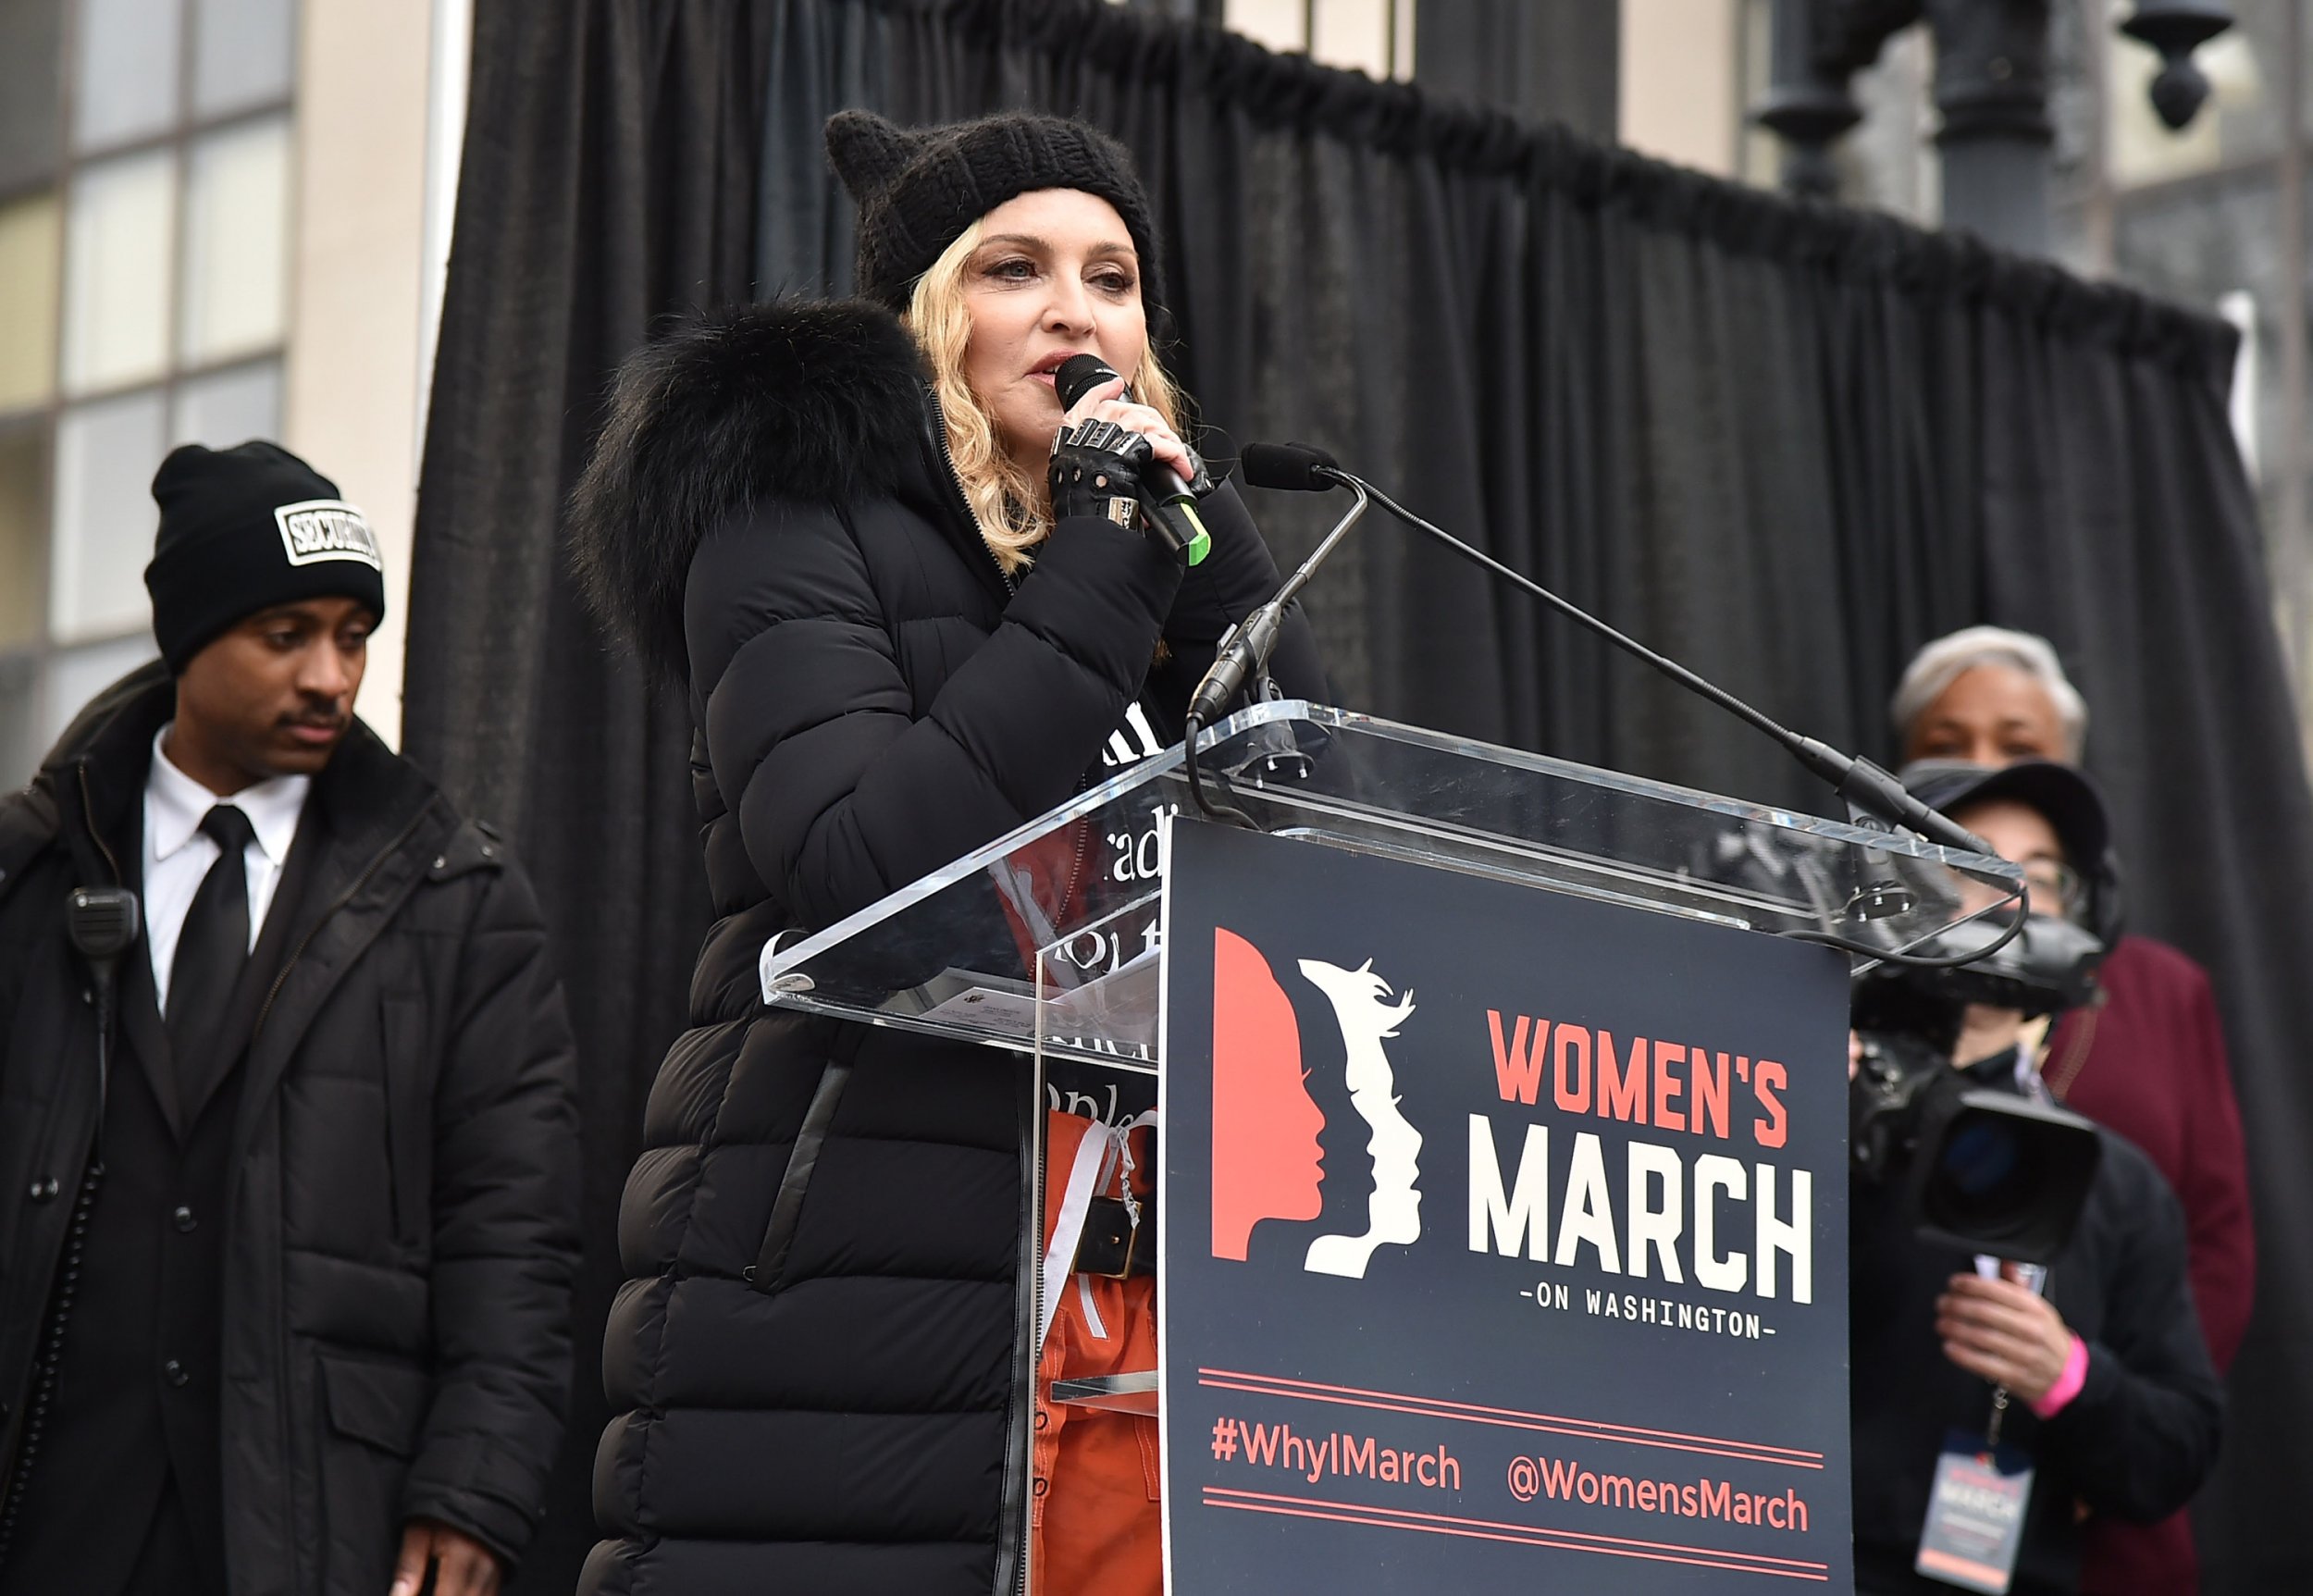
x,y
1520,1528
1516,1538
1425,1411
1555,1424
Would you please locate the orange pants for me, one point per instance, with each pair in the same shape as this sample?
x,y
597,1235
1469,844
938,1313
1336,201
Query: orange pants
x,y
1094,1510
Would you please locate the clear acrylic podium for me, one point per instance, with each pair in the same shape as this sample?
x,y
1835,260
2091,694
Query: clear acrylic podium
x,y
984,951
1049,941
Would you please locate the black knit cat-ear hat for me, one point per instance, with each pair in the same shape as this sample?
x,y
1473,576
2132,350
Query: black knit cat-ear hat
x,y
918,188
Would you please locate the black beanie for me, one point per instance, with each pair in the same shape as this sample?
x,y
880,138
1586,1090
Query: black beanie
x,y
918,190
243,529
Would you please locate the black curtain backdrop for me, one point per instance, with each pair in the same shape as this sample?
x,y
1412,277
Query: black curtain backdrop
x,y
610,170
1785,443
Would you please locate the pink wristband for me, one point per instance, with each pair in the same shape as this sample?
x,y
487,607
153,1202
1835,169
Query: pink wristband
x,y
2067,1384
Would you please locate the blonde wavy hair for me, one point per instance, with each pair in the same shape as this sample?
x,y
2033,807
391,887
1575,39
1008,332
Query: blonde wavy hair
x,y
1013,507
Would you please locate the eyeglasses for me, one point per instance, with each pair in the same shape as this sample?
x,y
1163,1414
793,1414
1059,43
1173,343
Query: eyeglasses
x,y
2057,887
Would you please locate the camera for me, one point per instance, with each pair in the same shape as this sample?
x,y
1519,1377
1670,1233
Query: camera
x,y
1984,1170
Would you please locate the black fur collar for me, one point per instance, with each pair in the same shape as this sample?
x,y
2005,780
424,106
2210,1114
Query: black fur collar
x,y
815,401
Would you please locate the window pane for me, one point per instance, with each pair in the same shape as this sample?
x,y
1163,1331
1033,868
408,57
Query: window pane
x,y
107,453
28,301
1354,33
76,675
32,70
228,407
23,533
236,241
127,84
121,217
1278,24
240,53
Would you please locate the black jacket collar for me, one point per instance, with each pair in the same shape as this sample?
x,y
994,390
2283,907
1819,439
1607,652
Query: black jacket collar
x,y
1997,1073
96,773
813,402
371,826
935,493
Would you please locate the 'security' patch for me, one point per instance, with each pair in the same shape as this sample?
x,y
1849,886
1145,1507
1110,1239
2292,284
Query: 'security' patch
x,y
317,530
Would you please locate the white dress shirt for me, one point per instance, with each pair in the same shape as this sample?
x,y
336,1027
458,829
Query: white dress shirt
x,y
177,853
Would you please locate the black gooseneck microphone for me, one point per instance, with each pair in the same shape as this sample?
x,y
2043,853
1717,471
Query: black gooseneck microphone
x,y
1244,655
1245,651
1298,467
1170,508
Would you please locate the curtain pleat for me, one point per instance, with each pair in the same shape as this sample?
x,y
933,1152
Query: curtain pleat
x,y
609,178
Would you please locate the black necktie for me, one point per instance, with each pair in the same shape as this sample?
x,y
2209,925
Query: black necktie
x,y
214,944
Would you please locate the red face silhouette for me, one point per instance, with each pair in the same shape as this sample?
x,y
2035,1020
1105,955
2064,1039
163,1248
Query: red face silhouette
x,y
1267,1162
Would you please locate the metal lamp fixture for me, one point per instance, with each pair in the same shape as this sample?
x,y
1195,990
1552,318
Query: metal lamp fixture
x,y
2177,27
1991,89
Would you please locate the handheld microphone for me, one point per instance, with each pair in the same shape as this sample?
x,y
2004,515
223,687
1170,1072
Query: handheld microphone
x,y
1297,467
1172,508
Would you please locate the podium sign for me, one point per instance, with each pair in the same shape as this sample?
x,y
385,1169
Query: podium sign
x,y
1504,1236
1541,1277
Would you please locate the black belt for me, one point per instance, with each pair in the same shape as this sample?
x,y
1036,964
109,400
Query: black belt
x,y
1112,1244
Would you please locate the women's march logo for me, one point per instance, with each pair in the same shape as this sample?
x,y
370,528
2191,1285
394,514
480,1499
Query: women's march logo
x,y
1267,1163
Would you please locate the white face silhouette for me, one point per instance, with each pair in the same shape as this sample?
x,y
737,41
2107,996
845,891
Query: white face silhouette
x,y
1393,1211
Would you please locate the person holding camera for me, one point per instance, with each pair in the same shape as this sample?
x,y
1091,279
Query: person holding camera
x,y
2148,1058
2090,1374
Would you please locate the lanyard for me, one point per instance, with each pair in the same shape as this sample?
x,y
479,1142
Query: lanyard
x,y
2036,1277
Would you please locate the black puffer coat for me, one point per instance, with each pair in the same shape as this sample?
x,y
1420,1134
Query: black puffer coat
x,y
773,513
399,1227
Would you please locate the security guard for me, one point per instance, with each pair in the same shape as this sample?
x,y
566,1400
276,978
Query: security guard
x,y
288,1160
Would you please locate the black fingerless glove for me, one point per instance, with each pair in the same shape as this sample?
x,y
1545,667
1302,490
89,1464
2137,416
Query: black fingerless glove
x,y
1096,470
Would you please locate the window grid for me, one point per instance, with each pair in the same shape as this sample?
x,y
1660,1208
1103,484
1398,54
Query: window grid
x,y
31,662
1296,27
